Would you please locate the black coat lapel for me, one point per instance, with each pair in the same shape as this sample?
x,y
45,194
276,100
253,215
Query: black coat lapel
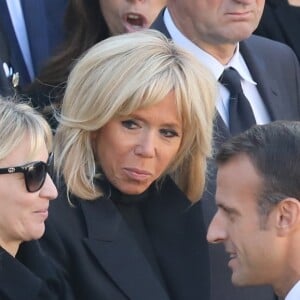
x,y
113,245
178,235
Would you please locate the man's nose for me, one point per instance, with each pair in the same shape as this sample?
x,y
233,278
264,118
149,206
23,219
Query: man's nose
x,y
217,230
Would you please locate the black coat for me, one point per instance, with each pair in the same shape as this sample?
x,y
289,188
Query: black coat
x,y
31,276
275,68
103,260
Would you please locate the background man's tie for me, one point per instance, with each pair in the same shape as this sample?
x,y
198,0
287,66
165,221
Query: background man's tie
x,y
241,116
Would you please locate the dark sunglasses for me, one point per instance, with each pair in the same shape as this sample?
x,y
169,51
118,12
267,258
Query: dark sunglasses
x,y
34,173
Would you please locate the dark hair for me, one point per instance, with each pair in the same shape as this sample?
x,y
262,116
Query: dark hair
x,y
274,150
84,26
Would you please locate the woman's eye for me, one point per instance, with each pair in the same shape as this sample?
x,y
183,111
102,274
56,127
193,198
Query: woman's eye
x,y
169,132
130,124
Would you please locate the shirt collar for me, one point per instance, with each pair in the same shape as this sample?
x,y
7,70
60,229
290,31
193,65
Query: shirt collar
x,y
205,58
294,293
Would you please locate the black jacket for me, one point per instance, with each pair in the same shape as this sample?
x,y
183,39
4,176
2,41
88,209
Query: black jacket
x,y
31,276
92,241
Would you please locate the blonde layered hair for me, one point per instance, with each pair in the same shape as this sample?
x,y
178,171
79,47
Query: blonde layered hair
x,y
19,121
120,75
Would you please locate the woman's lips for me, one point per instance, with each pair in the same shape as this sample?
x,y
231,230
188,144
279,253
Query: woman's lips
x,y
42,212
137,174
134,22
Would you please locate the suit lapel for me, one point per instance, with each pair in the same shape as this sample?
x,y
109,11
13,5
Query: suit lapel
x,y
266,86
17,60
178,237
111,242
159,24
5,81
36,31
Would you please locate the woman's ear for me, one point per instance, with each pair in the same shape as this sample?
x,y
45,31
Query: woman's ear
x,y
288,216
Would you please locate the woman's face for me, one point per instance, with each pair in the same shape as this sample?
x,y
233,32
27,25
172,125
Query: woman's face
x,y
130,15
134,151
22,214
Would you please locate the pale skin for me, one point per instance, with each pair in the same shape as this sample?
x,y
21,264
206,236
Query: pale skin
x,y
22,214
255,244
124,16
216,26
135,150
294,2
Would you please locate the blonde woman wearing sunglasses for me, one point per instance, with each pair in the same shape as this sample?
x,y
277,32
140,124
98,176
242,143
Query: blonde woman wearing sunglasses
x,y
25,192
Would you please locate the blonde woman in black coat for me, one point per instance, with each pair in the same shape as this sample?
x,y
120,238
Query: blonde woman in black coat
x,y
131,151
25,192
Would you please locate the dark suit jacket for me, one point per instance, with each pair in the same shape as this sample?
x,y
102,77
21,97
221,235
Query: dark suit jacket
x,y
103,260
275,68
30,276
6,86
43,21
280,22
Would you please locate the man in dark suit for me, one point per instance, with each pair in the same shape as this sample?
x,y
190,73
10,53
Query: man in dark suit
x,y
42,29
258,199
219,33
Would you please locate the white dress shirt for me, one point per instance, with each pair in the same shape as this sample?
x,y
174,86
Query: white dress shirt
x,y
294,293
237,61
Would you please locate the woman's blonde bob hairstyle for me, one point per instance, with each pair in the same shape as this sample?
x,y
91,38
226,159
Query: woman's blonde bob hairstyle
x,y
19,121
120,75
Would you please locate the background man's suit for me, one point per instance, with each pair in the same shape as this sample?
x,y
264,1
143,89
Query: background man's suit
x,y
6,87
276,70
280,22
43,19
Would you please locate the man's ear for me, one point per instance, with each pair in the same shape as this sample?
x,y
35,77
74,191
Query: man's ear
x,y
288,216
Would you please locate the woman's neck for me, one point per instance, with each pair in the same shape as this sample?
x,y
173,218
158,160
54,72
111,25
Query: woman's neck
x,y
11,247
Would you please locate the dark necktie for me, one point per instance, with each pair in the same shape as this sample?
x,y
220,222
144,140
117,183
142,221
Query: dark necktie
x,y
241,116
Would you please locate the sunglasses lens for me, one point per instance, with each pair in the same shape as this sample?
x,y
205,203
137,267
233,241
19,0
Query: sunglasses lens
x,y
35,176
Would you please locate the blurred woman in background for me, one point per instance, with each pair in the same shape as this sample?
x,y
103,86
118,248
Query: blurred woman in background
x,y
86,23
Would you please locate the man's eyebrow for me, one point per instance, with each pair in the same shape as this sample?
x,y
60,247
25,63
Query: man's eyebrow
x,y
227,209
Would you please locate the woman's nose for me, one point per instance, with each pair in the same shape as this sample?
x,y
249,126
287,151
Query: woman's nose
x,y
146,145
48,189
